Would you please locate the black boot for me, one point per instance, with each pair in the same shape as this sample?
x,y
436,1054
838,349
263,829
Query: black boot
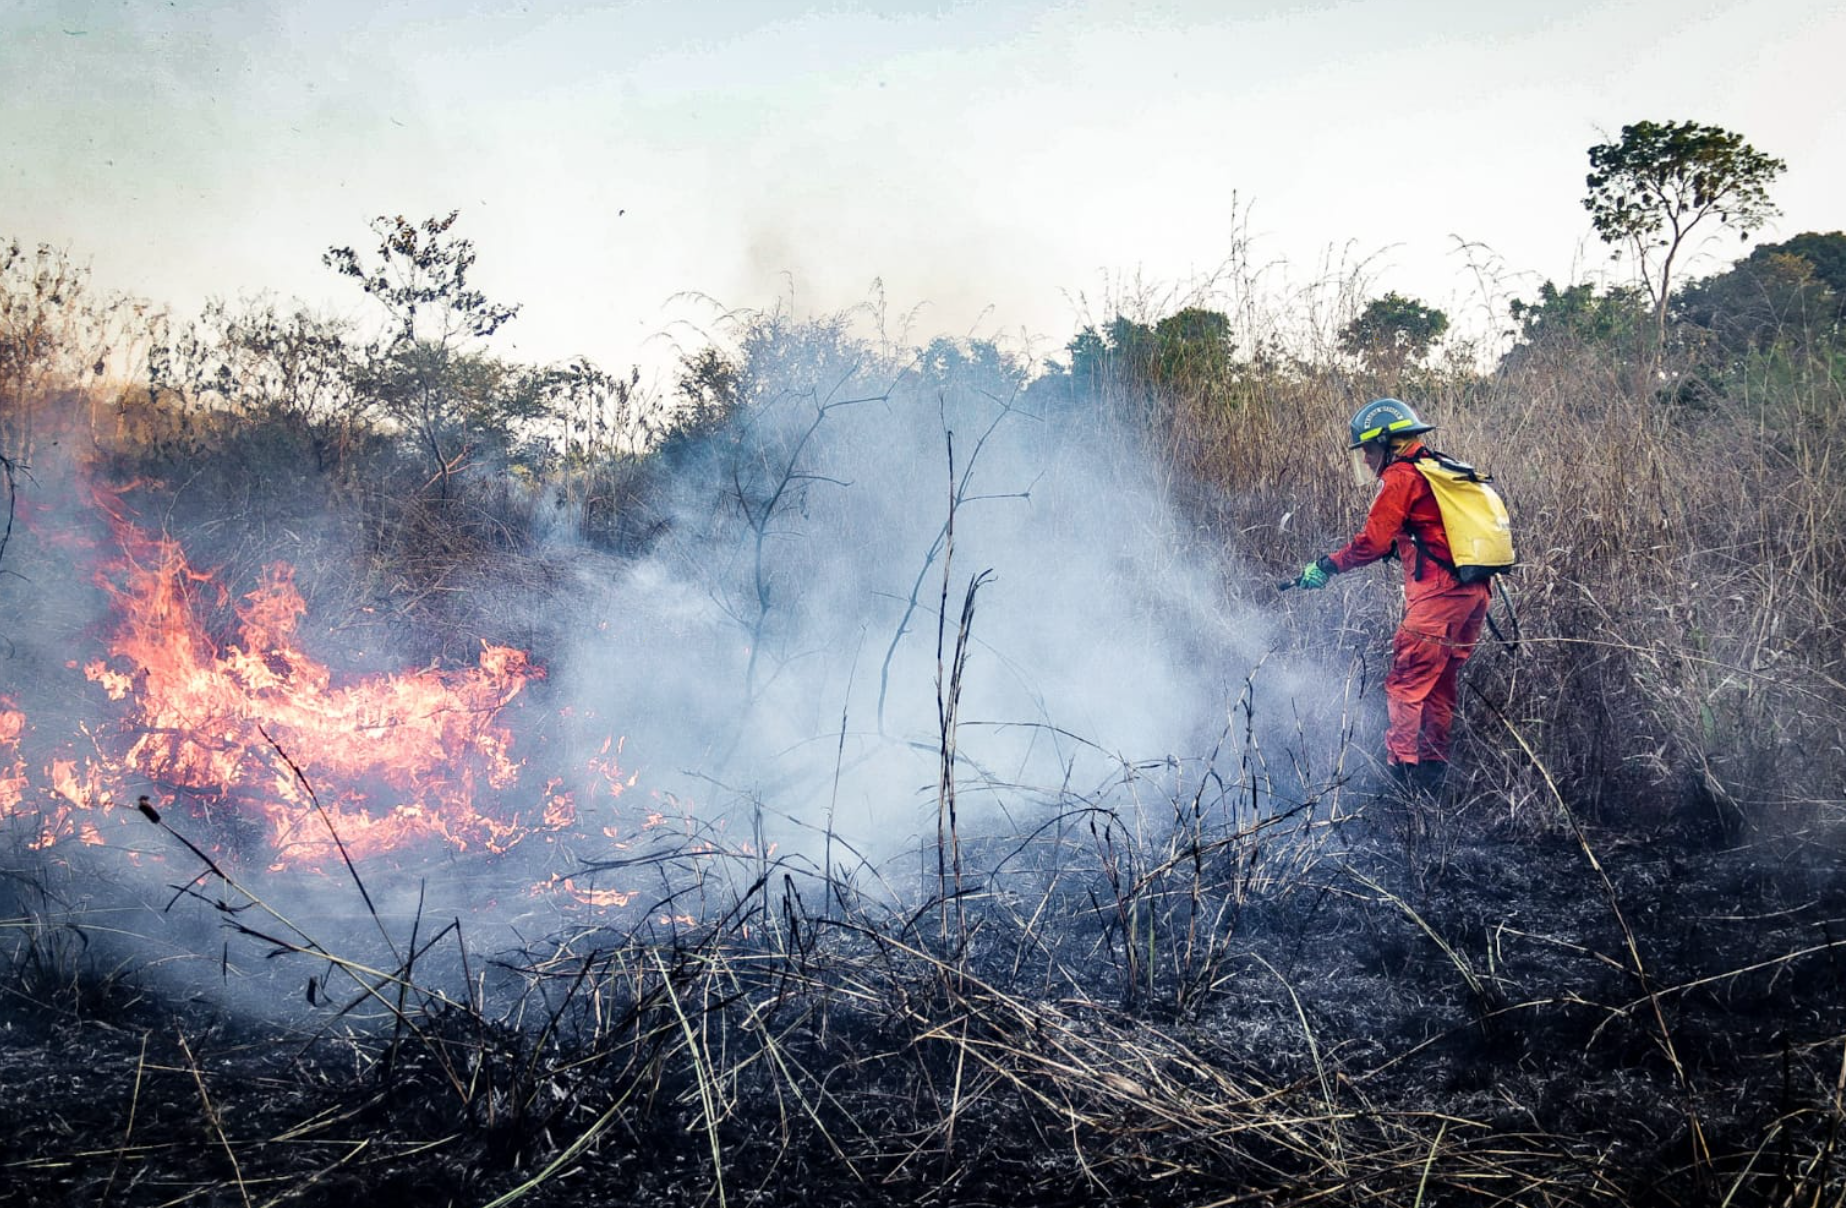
x,y
1429,776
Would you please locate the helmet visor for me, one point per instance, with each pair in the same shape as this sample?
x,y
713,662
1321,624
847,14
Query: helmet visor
x,y
1362,473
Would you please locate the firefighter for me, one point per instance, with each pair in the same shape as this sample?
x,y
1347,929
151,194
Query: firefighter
x,y
1442,615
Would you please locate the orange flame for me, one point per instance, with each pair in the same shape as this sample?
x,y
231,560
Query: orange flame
x,y
273,752
589,897
13,779
389,759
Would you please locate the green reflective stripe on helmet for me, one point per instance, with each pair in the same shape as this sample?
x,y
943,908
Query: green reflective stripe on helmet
x,y
1384,417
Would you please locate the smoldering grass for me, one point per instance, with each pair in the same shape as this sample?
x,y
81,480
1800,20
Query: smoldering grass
x,y
703,1078
1482,992
848,1041
52,967
128,1127
1336,1156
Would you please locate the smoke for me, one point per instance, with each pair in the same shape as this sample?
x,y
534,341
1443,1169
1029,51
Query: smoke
x,y
788,643
877,558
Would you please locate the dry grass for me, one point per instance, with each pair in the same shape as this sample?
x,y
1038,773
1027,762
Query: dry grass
x,y
1681,564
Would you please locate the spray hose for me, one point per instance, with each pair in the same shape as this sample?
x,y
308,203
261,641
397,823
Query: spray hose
x,y
1512,619
1512,615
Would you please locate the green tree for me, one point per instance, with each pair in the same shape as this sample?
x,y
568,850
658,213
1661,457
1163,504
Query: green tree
x,y
1763,301
1115,363
596,416
1579,313
1133,349
429,373
1824,254
456,403
1193,348
267,365
1393,332
948,363
1652,188
707,394
1089,361
1188,351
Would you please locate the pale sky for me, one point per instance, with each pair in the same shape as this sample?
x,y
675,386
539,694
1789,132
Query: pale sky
x,y
992,163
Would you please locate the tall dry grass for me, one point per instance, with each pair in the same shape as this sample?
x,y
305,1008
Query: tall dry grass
x,y
1682,557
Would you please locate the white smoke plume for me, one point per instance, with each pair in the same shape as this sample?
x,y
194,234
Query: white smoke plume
x,y
778,655
783,644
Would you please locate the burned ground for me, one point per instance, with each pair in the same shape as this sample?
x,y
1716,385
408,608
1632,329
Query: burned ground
x,y
1365,1011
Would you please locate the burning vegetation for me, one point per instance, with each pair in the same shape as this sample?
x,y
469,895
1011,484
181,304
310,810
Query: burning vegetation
x,y
402,758
885,775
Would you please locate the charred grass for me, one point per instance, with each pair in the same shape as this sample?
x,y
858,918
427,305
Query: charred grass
x,y
1296,1013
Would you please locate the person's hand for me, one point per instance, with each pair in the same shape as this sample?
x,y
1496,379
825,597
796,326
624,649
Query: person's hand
x,y
1316,574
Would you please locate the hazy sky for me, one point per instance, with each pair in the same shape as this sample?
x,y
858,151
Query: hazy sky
x,y
993,162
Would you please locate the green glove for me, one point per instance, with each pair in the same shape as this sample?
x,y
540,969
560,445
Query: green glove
x,y
1317,573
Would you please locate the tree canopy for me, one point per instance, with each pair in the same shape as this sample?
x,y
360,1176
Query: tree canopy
x,y
1579,312
1392,332
1651,188
1825,254
1184,351
428,375
1790,294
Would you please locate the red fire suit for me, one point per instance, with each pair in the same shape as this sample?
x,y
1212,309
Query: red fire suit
x,y
1442,617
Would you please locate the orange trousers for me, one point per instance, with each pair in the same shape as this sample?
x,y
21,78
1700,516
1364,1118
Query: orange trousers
x,y
1438,634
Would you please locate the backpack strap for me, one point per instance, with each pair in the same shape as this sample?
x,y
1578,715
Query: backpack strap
x,y
1458,467
1423,551
1450,464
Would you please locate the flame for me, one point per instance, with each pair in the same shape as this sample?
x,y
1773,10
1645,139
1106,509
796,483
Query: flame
x,y
208,710
602,898
265,747
383,760
13,779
